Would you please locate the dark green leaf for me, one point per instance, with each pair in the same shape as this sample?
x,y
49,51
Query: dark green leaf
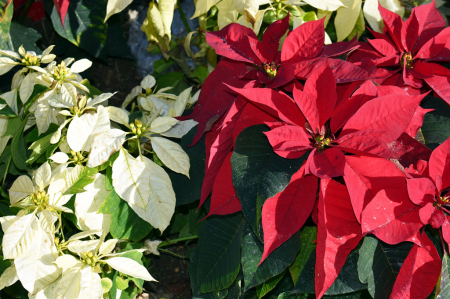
x,y
24,36
37,91
71,216
308,237
4,264
170,79
162,65
379,264
177,223
34,134
116,44
276,263
266,287
201,72
216,259
18,148
194,220
84,25
108,179
109,162
39,148
213,295
86,177
7,111
235,290
186,189
436,124
284,285
125,223
6,14
258,172
12,126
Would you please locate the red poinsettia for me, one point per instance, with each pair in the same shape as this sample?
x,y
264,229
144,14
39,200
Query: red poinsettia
x,y
428,184
248,63
414,46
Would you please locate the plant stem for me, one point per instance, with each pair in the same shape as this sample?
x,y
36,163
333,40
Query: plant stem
x,y
25,10
170,242
183,17
174,254
6,171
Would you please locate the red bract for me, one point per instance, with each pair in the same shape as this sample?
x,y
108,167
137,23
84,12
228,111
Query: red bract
x,y
249,63
362,132
426,185
413,46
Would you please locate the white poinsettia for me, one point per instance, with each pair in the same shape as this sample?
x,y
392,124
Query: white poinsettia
x,y
88,203
25,58
151,99
80,278
34,195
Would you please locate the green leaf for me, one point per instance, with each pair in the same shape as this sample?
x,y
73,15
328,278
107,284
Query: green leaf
x,y
108,163
215,261
86,177
445,278
7,111
116,43
276,263
379,264
24,36
258,172
39,148
38,90
186,189
18,149
121,283
71,216
84,25
266,287
235,290
212,295
12,126
4,264
137,257
171,79
436,124
125,223
93,91
162,65
34,134
308,237
108,179
201,72
6,14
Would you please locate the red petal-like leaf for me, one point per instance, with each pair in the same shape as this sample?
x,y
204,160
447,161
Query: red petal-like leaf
x,y
364,142
289,138
410,32
340,48
421,191
338,233
382,46
275,103
393,23
430,23
308,106
321,87
389,114
434,47
446,230
251,115
285,213
273,34
326,165
422,70
215,98
440,85
392,219
416,121
366,176
408,150
419,273
305,41
223,199
61,7
232,43
261,51
439,163
285,74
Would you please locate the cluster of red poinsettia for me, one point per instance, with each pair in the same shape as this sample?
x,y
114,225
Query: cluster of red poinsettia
x,y
356,119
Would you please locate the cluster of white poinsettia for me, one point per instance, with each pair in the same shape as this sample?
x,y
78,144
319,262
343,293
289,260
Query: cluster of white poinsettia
x,y
47,264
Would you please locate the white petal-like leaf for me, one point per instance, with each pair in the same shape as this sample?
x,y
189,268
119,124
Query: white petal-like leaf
x,y
9,277
26,87
19,237
90,284
59,157
21,188
107,247
47,220
80,66
171,154
116,6
78,246
180,129
85,234
118,115
68,286
182,100
100,99
98,123
131,179
88,203
7,221
129,267
67,261
36,269
104,145
162,124
161,205
77,134
148,82
42,176
57,135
